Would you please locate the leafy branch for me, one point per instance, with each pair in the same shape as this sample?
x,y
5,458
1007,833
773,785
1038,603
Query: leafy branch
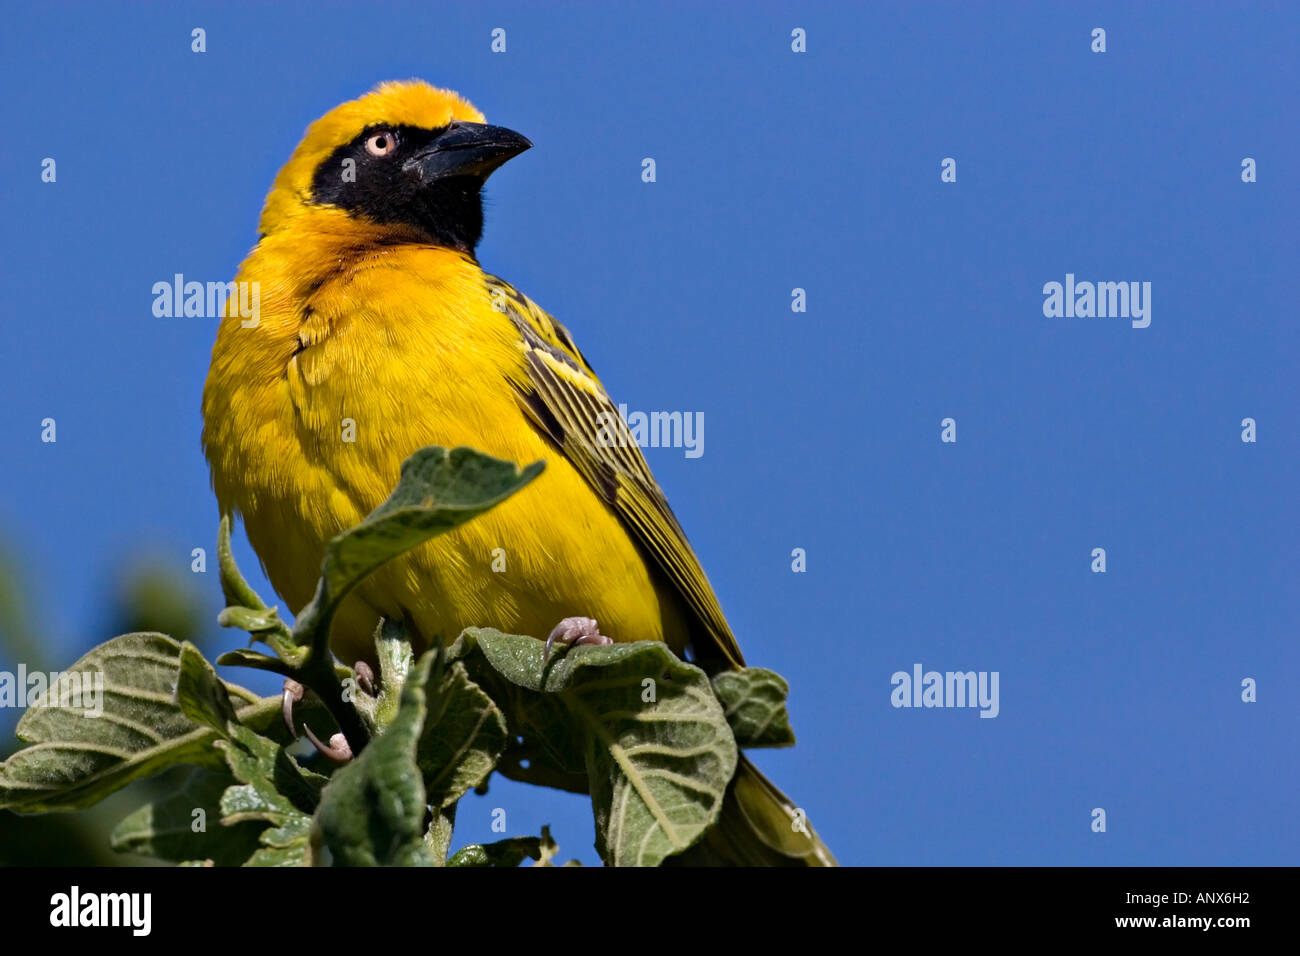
x,y
650,737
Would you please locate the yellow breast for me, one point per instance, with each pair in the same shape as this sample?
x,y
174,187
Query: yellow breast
x,y
363,353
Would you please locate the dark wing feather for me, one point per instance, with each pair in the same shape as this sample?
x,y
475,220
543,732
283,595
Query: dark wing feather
x,y
565,399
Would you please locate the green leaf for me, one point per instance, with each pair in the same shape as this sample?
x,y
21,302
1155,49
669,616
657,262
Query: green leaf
x,y
372,812
275,786
247,611
437,838
237,591
275,789
296,854
254,621
202,697
243,657
754,701
658,749
463,736
438,491
75,761
165,828
509,852
395,657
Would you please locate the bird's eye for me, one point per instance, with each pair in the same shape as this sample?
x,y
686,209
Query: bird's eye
x,y
382,143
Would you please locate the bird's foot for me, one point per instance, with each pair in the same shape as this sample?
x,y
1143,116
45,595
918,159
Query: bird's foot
x,y
336,750
365,677
573,631
293,692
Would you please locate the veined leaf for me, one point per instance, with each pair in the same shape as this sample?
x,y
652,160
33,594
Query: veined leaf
x,y
295,853
510,852
658,749
75,761
275,789
754,701
200,693
372,812
464,734
186,825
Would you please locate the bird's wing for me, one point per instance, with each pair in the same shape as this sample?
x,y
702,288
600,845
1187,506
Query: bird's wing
x,y
565,399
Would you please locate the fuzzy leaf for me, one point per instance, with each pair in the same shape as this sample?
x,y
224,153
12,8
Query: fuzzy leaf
x,y
509,852
754,701
658,750
75,761
275,789
372,812
462,739
200,694
166,828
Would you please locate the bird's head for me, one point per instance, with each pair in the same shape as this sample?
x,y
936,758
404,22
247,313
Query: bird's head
x,y
407,156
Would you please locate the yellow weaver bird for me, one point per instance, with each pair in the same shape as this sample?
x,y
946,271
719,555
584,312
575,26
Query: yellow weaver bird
x,y
375,316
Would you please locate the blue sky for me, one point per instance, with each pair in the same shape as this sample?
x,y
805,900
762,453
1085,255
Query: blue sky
x,y
777,170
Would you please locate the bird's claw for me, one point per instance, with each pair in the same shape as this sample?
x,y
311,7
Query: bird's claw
x,y
337,749
573,631
293,692
365,677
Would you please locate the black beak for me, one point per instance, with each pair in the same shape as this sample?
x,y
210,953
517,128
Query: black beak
x,y
465,149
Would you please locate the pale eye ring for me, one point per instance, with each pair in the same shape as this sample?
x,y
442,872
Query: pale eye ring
x,y
382,143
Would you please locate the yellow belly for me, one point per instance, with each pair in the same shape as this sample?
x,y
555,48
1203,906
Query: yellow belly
x,y
404,353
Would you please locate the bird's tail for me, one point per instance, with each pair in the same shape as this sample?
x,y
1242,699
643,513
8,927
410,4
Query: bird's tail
x,y
758,826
